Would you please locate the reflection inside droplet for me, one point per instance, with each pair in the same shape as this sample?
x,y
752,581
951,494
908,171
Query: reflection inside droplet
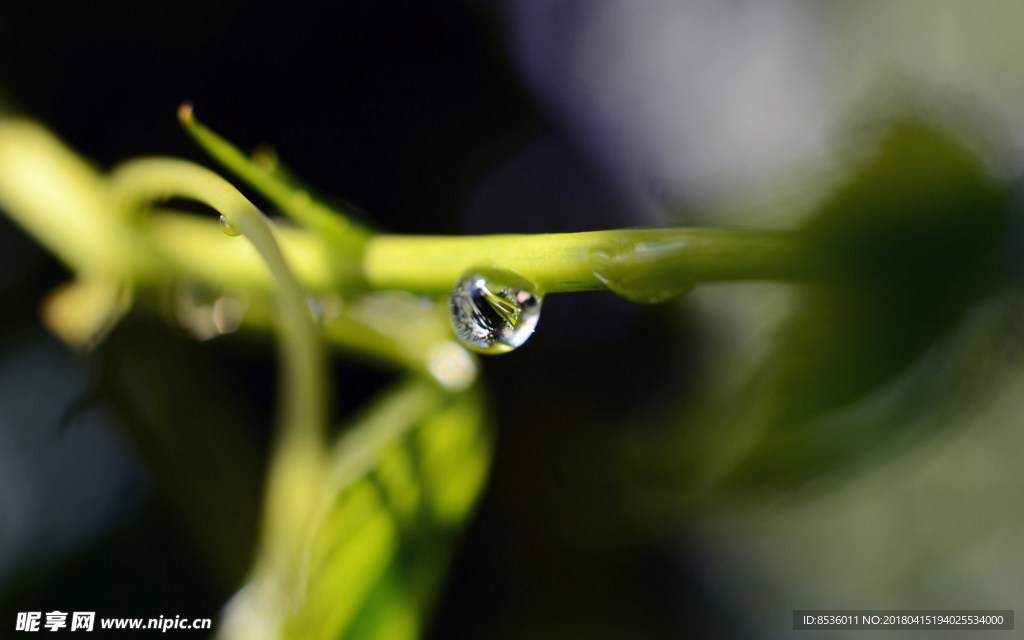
x,y
494,310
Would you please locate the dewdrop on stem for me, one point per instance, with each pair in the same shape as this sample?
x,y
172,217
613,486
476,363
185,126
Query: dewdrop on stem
x,y
229,228
494,310
640,271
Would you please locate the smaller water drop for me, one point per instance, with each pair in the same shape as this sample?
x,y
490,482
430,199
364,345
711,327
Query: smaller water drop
x,y
229,228
494,310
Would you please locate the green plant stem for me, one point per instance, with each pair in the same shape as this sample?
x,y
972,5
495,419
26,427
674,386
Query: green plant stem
x,y
61,201
144,181
196,246
299,464
342,233
559,263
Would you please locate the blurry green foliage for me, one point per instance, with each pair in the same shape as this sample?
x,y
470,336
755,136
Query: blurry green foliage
x,y
377,559
897,257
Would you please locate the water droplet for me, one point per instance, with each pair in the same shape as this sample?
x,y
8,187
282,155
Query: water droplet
x,y
493,310
229,228
638,271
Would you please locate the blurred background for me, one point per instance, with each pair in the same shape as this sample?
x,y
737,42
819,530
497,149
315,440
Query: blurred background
x,y
877,416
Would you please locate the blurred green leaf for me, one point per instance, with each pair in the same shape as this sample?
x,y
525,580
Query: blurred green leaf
x,y
914,241
405,477
905,250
